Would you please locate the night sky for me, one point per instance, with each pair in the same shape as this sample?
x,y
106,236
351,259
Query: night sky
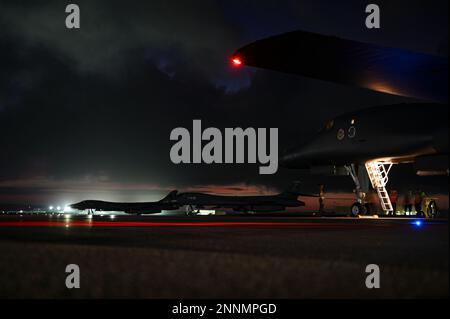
x,y
88,113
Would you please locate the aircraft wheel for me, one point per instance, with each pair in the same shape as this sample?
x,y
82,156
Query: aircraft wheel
x,y
358,209
189,210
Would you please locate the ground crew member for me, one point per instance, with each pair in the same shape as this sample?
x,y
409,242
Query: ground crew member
x,y
408,202
322,199
418,201
394,200
371,202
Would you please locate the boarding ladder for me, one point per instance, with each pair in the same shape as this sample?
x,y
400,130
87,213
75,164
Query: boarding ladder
x,y
379,177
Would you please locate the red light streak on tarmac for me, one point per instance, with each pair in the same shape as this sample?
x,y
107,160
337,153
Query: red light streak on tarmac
x,y
187,224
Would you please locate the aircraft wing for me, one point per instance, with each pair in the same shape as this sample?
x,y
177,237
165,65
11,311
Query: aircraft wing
x,y
382,69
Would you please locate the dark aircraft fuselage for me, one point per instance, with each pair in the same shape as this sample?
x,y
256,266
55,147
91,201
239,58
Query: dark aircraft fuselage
x,y
396,133
129,208
167,203
241,203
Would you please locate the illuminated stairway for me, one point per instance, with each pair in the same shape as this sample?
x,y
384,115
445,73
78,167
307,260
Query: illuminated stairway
x,y
379,177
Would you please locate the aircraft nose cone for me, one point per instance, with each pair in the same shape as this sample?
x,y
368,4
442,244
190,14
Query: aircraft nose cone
x,y
75,206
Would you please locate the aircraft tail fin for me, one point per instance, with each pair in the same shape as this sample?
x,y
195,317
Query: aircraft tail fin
x,y
171,195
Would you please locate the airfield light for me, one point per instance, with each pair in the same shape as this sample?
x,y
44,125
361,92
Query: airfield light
x,y
58,208
237,61
418,223
50,208
113,216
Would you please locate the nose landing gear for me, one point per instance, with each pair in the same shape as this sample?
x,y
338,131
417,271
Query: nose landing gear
x,y
361,180
376,173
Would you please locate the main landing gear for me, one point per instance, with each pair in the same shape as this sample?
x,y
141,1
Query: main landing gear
x,y
191,211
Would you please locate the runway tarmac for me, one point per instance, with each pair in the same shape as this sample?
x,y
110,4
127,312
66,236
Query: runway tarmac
x,y
222,257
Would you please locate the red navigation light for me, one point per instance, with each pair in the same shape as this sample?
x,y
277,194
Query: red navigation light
x,y
237,61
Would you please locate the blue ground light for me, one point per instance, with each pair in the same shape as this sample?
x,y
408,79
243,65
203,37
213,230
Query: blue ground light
x,y
418,223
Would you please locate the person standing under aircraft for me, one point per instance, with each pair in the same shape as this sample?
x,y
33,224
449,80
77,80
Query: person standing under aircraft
x,y
322,200
418,201
372,202
394,200
408,202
